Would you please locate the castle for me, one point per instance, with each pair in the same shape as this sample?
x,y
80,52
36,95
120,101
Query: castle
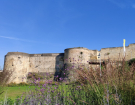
x,y
23,63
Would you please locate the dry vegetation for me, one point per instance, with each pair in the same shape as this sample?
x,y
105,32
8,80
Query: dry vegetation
x,y
114,87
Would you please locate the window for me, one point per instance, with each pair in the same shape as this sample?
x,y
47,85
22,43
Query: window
x,y
81,52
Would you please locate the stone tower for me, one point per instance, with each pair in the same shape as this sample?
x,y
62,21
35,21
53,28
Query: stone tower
x,y
19,63
77,57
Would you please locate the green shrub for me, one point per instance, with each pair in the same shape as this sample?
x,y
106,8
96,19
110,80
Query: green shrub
x,y
36,76
132,61
12,84
23,84
51,76
53,83
102,67
41,82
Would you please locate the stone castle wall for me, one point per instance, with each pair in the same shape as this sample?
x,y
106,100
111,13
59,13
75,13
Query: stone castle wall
x,y
23,63
115,51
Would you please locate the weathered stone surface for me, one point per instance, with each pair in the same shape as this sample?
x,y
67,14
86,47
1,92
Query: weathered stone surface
x,y
23,63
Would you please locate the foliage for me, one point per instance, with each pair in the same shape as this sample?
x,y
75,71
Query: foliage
x,y
35,75
132,61
4,79
108,53
13,84
23,84
111,89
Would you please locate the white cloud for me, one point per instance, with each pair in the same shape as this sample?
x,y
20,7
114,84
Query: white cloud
x,y
17,39
30,41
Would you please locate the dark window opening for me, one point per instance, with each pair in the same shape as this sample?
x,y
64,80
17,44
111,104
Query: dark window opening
x,y
36,66
81,52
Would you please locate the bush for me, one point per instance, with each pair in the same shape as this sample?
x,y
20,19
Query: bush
x,y
41,82
12,84
23,84
82,78
36,76
4,78
54,83
132,61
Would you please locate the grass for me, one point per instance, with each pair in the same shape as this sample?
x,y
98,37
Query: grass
x,y
12,92
114,87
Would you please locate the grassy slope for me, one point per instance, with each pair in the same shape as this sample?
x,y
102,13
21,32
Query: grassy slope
x,y
12,92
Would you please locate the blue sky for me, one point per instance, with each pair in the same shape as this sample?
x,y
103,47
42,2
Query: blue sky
x,y
50,26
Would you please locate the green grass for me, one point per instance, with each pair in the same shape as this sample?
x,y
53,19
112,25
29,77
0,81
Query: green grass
x,y
13,92
94,90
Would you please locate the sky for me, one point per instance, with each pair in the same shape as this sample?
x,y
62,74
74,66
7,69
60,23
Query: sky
x,y
50,26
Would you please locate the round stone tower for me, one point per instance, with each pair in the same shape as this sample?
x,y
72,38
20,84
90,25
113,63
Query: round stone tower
x,y
17,62
73,59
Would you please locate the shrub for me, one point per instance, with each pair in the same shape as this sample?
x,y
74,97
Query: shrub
x,y
82,78
4,78
23,84
36,76
132,61
12,84
54,83
41,82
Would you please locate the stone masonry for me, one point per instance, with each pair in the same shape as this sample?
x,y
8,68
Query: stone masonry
x,y
23,63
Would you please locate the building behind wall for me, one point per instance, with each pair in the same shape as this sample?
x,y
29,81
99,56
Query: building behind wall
x,y
23,63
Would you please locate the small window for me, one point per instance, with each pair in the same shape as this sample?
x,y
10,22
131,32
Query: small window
x,y
36,66
19,57
81,52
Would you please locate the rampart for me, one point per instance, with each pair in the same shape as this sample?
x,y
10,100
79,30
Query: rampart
x,y
23,63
